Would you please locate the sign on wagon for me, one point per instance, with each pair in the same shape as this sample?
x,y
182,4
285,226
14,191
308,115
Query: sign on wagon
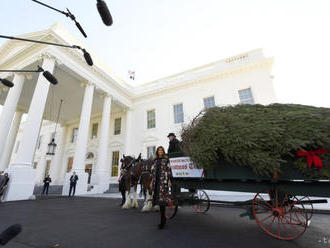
x,y
184,167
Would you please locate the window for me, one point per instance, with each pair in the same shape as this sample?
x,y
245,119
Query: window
x,y
39,142
117,126
35,164
17,146
245,96
151,151
209,102
94,130
178,113
115,163
74,135
151,119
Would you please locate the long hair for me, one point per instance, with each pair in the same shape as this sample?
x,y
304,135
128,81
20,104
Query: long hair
x,y
156,153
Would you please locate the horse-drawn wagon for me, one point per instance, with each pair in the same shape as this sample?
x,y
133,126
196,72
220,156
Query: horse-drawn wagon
x,y
281,206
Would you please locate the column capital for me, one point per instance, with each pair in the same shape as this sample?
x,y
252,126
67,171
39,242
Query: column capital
x,y
47,55
84,84
106,95
128,109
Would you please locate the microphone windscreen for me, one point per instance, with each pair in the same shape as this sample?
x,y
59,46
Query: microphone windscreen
x,y
88,58
7,83
50,77
81,29
10,233
104,12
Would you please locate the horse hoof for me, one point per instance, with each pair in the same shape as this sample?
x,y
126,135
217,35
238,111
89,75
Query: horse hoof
x,y
135,205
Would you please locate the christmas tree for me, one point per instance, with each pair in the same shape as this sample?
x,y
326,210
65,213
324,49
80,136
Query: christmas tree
x,y
260,137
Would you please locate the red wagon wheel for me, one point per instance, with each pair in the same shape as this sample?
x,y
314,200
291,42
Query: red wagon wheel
x,y
279,214
170,211
309,209
202,201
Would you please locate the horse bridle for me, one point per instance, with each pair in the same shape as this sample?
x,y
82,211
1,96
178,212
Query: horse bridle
x,y
132,163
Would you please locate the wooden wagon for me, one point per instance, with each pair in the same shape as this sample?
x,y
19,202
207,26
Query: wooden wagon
x,y
281,206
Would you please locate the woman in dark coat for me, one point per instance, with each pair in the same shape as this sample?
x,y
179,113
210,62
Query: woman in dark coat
x,y
161,182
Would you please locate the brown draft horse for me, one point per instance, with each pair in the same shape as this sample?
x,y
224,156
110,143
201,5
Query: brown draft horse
x,y
135,171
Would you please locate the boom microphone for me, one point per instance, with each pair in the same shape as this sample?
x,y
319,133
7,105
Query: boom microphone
x,y
81,29
10,233
104,12
6,82
87,57
50,77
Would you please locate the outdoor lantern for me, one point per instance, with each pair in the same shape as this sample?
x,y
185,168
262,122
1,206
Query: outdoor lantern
x,y
51,147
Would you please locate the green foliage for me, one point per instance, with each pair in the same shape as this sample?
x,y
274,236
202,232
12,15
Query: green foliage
x,y
260,137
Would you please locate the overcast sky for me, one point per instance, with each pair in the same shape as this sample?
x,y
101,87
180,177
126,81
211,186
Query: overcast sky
x,y
157,38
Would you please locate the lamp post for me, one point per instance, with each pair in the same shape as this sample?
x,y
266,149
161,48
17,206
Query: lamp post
x,y
87,56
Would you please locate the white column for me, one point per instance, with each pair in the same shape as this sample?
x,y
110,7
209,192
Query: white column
x,y
22,175
81,145
7,152
102,166
9,110
56,167
128,135
40,170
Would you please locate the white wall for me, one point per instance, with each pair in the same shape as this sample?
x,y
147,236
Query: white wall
x,y
222,81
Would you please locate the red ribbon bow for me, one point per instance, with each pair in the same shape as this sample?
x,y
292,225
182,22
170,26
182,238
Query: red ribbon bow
x,y
312,157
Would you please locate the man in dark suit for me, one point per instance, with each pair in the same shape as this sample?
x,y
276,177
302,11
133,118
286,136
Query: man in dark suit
x,y
73,183
174,144
47,181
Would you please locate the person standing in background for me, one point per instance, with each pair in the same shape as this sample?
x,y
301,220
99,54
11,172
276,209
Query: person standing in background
x,y
47,181
73,183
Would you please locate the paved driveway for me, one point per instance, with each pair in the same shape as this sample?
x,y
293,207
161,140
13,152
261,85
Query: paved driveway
x,y
93,222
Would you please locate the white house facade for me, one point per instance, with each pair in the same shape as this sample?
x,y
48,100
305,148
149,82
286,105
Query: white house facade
x,y
102,117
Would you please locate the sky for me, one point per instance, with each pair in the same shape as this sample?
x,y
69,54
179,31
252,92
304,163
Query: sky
x,y
157,38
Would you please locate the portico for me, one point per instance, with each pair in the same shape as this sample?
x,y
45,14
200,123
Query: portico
x,y
85,91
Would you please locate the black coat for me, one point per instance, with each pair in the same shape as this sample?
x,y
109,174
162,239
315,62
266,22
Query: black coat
x,y
122,185
174,146
73,179
47,180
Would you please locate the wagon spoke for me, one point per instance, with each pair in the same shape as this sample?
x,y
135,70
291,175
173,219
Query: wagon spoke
x,y
271,198
266,218
278,227
283,201
276,197
271,223
262,205
265,201
285,228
